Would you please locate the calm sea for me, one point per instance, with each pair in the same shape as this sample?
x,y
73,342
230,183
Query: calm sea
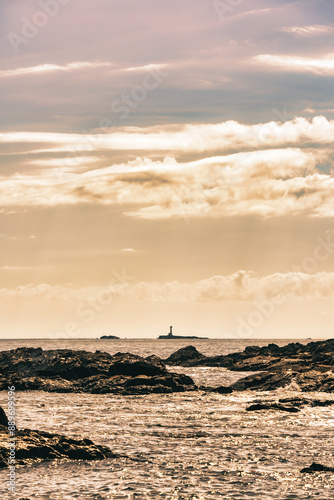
x,y
192,445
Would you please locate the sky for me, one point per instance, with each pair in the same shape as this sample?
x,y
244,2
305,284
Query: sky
x,y
166,163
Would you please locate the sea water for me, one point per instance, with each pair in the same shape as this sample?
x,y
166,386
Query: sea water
x,y
192,445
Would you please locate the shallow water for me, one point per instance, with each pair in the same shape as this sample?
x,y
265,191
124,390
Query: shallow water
x,y
190,445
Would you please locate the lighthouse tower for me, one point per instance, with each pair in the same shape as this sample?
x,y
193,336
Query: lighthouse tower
x,y
170,331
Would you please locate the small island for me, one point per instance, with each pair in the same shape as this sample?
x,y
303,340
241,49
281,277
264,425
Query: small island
x,y
113,337
171,336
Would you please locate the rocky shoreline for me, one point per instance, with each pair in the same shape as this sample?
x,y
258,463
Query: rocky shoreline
x,y
66,370
35,446
306,367
309,367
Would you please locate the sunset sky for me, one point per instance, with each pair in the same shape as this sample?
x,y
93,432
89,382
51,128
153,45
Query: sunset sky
x,y
167,163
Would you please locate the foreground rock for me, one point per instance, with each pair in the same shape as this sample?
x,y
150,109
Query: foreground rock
x,y
33,445
3,418
272,406
65,370
292,405
305,367
314,467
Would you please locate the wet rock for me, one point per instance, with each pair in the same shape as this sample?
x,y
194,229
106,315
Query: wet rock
x,y
3,462
301,402
306,367
307,381
292,405
272,406
32,445
222,389
132,365
299,357
155,360
64,363
65,370
3,418
185,354
314,467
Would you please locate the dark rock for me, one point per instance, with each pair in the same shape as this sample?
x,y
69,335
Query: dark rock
x,y
31,445
307,381
3,462
3,418
308,367
111,337
65,363
272,406
185,354
254,382
315,355
132,365
300,402
66,370
314,467
156,361
222,389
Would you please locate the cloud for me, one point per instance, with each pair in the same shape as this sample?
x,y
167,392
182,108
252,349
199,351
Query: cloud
x,y
222,137
17,268
323,66
7,237
52,68
146,67
65,164
309,31
240,286
206,60
252,13
278,170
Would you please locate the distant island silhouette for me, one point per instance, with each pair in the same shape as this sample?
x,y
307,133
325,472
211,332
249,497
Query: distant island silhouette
x,y
171,336
109,337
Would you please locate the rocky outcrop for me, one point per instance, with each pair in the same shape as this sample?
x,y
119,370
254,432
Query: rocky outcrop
x,y
306,367
314,467
39,445
32,445
186,354
296,356
65,370
310,380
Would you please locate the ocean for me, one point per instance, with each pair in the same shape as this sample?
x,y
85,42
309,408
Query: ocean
x,y
193,445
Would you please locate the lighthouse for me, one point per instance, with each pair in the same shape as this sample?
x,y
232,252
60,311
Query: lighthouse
x,y
173,337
